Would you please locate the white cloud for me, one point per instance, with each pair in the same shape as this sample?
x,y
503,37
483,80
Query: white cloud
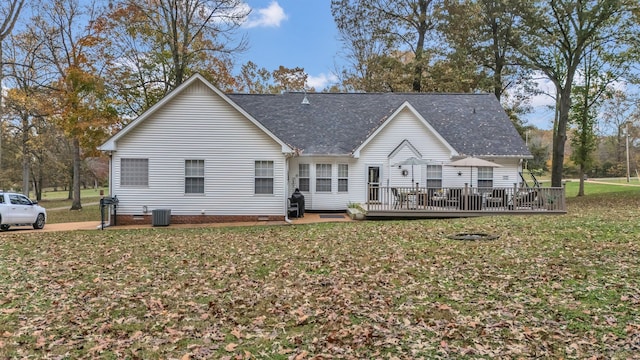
x,y
321,81
270,16
547,97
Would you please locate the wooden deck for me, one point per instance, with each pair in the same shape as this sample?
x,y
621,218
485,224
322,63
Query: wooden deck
x,y
396,202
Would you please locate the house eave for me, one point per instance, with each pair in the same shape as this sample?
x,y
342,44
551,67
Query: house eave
x,y
495,156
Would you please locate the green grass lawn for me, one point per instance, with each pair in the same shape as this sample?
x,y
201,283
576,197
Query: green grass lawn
x,y
63,195
549,287
58,210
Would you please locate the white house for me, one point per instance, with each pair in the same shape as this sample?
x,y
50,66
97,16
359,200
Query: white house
x,y
209,156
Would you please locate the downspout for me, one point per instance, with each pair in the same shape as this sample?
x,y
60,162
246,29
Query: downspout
x,y
287,158
103,225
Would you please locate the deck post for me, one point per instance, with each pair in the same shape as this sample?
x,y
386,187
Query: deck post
x,y
467,194
564,197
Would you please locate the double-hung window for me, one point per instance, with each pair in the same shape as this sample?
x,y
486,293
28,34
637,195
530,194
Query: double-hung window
x,y
303,177
485,177
194,176
343,177
264,177
434,176
134,172
323,177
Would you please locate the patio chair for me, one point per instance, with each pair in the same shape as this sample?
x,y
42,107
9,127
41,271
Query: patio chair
x,y
292,208
527,199
497,198
437,197
453,197
399,198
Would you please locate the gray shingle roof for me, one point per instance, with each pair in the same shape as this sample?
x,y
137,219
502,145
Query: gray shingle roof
x,y
337,123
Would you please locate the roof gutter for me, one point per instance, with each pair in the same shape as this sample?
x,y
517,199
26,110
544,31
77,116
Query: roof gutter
x,y
327,155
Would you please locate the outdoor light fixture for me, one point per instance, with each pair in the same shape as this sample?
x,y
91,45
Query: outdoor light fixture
x,y
459,173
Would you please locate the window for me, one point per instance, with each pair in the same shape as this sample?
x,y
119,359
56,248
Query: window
x,y
194,176
485,177
19,200
323,177
134,172
264,177
343,177
434,176
303,177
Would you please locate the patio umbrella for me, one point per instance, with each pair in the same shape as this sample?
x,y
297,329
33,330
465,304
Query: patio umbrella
x,y
413,161
472,162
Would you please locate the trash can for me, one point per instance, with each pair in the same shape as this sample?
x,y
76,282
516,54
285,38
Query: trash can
x,y
298,198
160,217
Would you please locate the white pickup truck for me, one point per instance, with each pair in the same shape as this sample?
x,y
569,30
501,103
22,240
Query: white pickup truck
x,y
18,210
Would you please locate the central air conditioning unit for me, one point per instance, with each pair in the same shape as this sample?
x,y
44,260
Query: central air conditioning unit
x,y
161,217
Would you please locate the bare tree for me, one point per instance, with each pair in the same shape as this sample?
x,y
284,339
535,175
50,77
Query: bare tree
x,y
374,29
155,45
554,35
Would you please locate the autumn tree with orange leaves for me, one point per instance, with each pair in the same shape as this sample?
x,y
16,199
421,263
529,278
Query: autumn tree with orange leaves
x,y
80,105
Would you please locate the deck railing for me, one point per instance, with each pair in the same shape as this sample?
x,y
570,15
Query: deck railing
x,y
466,199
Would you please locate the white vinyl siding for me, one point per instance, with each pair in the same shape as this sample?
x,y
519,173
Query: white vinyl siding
x,y
343,177
134,172
303,177
264,177
323,177
405,126
198,124
194,177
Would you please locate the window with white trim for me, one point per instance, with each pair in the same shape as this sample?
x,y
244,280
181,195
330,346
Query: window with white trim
x,y
434,176
343,177
264,177
303,177
134,172
194,176
485,177
323,177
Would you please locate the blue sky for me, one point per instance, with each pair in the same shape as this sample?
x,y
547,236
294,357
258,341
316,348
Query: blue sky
x,y
293,33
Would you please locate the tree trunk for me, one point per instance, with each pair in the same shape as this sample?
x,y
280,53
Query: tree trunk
x,y
25,170
25,156
560,129
422,31
76,205
1,112
68,187
581,187
498,58
37,186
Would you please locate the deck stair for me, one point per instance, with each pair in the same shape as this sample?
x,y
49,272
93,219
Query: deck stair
x,y
528,175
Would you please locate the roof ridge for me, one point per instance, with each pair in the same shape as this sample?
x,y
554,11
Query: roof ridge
x,y
361,93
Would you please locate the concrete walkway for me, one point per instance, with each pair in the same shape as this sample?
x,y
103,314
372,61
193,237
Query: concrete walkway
x,y
309,218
